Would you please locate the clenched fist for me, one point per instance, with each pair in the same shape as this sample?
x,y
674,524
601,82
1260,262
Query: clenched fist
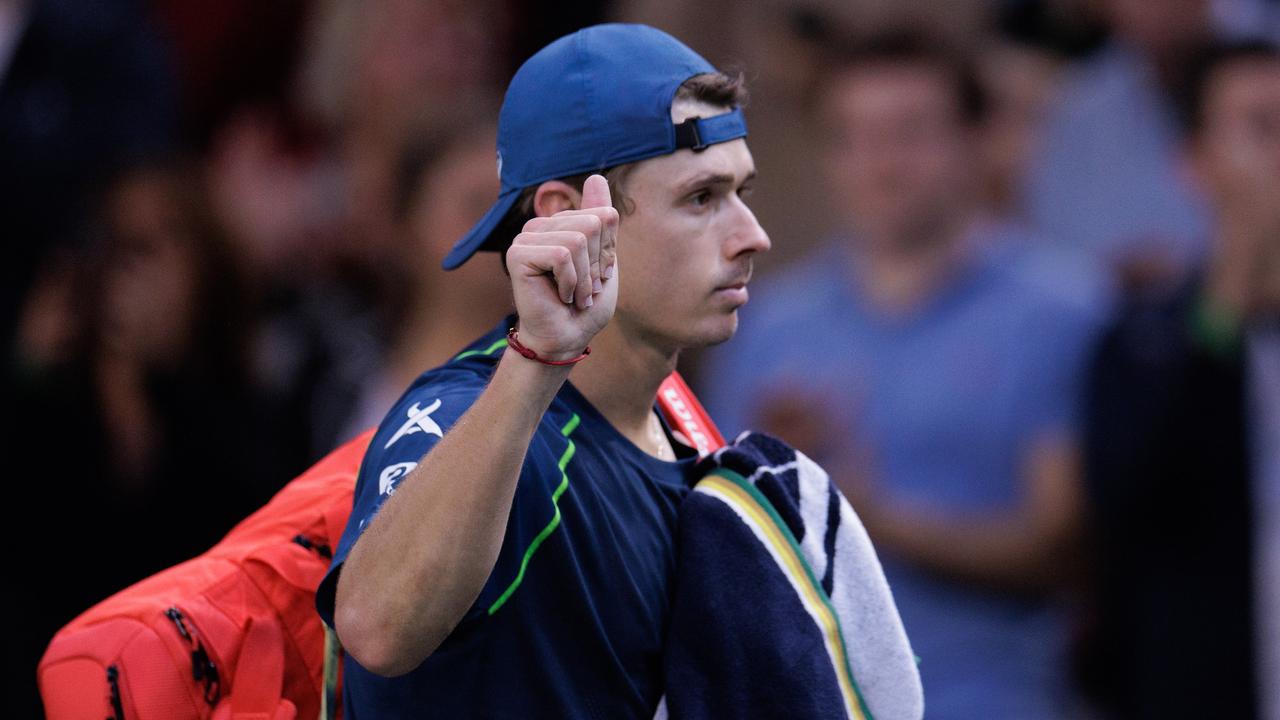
x,y
564,274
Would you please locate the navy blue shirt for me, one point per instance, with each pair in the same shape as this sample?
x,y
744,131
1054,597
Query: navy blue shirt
x,y
571,621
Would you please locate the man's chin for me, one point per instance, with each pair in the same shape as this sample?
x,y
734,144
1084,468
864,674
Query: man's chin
x,y
717,330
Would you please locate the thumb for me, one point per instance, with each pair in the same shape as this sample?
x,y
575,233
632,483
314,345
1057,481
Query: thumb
x,y
595,193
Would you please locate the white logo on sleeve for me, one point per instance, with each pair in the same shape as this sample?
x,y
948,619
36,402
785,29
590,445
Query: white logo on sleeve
x,y
392,475
419,421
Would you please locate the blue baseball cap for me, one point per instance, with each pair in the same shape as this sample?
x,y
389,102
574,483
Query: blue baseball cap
x,y
592,100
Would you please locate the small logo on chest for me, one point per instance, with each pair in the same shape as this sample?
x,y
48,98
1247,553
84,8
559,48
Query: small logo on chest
x,y
419,421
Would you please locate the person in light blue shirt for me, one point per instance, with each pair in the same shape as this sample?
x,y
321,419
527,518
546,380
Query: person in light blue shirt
x,y
917,359
1109,178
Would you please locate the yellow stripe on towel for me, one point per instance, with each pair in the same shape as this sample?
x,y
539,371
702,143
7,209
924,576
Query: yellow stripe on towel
x,y
753,509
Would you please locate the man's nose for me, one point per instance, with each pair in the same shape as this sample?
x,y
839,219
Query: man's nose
x,y
748,236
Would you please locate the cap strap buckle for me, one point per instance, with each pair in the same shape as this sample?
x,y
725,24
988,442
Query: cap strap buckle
x,y
698,133
687,135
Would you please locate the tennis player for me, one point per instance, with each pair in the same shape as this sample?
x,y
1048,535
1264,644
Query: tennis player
x,y
510,549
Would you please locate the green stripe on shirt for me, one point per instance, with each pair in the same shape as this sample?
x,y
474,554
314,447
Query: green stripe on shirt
x,y
568,428
487,351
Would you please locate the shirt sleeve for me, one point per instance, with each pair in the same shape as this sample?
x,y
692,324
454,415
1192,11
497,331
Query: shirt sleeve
x,y
413,427
416,425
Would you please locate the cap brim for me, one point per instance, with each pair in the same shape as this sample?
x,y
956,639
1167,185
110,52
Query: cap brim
x,y
478,238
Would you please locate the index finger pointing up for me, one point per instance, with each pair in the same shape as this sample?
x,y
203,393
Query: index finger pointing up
x,y
595,193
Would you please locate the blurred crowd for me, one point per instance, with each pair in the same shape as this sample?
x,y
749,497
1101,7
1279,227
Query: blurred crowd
x,y
1023,302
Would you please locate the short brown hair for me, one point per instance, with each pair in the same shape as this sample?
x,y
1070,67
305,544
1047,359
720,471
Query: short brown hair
x,y
913,47
718,89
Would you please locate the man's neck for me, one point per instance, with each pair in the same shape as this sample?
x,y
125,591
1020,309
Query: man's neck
x,y
621,380
899,277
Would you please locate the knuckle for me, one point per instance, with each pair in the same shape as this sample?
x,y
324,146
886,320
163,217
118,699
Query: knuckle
x,y
522,239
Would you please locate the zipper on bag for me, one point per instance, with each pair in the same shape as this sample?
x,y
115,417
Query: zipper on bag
x,y
203,669
113,683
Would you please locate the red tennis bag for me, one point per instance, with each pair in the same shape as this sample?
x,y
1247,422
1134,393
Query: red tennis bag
x,y
231,634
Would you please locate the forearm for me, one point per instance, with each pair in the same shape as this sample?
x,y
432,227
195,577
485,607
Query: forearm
x,y
1007,550
1025,546
424,559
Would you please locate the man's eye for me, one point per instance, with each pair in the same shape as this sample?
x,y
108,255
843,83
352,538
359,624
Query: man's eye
x,y
700,198
745,191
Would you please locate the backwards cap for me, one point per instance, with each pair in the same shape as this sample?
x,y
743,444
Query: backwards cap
x,y
591,100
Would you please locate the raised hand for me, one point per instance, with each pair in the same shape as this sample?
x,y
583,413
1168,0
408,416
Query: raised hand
x,y
564,274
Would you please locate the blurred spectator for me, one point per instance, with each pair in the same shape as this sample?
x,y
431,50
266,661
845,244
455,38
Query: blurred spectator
x,y
318,222
376,73
932,379
140,440
1183,444
1108,179
321,318
84,87
445,185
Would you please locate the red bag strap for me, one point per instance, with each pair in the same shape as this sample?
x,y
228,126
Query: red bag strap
x,y
685,414
258,687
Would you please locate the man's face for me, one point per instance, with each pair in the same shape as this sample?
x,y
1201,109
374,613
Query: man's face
x,y
685,250
1237,152
896,151
1237,157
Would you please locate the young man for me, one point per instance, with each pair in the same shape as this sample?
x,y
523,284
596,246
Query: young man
x,y
1183,443
511,540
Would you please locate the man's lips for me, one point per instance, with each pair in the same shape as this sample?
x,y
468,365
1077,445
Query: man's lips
x,y
737,282
734,291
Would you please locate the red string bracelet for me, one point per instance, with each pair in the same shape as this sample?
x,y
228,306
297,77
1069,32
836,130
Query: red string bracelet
x,y
513,341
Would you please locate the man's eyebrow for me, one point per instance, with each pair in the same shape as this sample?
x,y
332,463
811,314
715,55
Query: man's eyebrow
x,y
712,179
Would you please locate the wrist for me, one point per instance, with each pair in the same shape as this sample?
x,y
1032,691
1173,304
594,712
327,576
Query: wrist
x,y
536,352
528,383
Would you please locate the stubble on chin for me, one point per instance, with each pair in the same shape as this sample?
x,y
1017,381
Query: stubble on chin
x,y
721,332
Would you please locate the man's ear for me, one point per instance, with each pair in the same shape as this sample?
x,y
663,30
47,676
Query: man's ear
x,y
554,196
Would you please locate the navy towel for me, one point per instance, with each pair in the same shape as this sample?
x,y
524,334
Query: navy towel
x,y
780,607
